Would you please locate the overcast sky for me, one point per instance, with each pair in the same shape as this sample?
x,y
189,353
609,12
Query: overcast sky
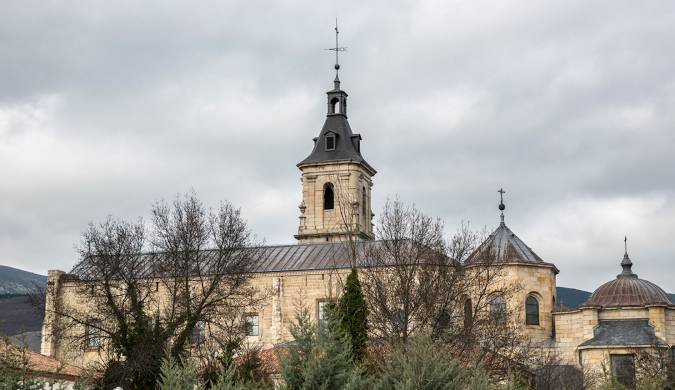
x,y
107,107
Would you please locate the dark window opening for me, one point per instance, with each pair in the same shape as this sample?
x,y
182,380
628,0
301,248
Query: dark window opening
x,y
623,370
328,197
498,309
330,142
531,311
334,105
468,314
364,207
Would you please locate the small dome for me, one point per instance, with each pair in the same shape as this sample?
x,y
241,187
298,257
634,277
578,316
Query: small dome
x,y
628,290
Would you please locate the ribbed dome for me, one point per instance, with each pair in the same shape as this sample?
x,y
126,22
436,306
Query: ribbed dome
x,y
628,290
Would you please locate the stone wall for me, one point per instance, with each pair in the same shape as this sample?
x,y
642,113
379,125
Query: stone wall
x,y
349,180
538,281
284,294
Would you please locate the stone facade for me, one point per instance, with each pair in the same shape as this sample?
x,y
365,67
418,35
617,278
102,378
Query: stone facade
x,y
351,214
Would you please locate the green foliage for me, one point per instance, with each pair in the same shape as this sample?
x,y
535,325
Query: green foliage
x,y
176,375
354,315
182,375
423,364
323,360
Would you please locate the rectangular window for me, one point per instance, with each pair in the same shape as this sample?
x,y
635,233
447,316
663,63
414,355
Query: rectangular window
x,y
330,142
251,325
321,314
93,334
623,369
198,333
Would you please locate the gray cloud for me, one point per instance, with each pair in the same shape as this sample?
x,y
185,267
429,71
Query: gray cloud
x,y
107,107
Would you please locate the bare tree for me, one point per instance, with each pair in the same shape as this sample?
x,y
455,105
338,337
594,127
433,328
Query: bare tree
x,y
170,284
405,273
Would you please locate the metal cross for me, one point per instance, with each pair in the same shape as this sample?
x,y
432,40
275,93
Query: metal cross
x,y
625,243
501,195
337,49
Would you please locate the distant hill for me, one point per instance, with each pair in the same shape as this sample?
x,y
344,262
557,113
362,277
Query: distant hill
x,y
18,315
18,282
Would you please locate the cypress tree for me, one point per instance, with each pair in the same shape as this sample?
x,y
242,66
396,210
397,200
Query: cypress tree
x,y
354,315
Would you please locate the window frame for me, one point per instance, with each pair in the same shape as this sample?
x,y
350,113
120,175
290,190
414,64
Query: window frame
x,y
615,372
92,331
333,139
498,317
328,186
198,333
320,319
255,326
468,319
527,310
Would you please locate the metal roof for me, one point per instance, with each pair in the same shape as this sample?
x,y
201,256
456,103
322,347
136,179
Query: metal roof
x,y
623,332
347,144
276,258
628,290
504,246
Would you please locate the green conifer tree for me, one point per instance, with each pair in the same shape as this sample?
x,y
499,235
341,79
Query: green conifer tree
x,y
354,313
423,364
177,375
322,361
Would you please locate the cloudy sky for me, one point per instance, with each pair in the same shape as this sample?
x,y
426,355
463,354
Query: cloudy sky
x,y
107,107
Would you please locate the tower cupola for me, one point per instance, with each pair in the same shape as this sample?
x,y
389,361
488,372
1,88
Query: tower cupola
x,y
336,179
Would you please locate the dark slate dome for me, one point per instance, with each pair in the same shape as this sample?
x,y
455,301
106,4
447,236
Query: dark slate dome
x,y
628,290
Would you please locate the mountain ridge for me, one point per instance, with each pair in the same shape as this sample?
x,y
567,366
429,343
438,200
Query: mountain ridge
x,y
15,281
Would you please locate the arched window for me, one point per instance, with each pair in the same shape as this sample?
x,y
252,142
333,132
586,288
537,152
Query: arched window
x,y
334,105
328,196
498,309
531,310
468,314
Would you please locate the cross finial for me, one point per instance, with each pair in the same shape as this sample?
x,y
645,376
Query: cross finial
x,y
501,203
337,49
625,244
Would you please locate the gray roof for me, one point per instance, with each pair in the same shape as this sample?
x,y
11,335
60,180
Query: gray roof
x,y
276,258
347,147
628,290
623,332
505,247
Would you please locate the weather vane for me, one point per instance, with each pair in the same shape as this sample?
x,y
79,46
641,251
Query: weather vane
x,y
337,49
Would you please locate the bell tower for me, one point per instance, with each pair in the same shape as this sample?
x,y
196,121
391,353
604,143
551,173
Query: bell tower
x,y
336,179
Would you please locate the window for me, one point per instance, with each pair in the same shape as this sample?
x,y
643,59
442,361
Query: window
x,y
328,196
93,334
623,369
251,327
334,105
321,315
198,333
364,211
498,309
468,314
531,310
330,142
